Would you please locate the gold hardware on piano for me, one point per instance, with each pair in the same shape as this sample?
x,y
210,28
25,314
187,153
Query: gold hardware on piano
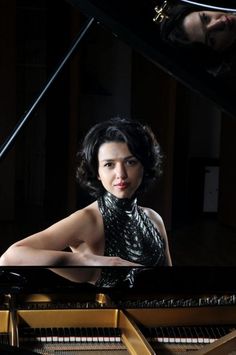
x,y
102,299
49,324
161,12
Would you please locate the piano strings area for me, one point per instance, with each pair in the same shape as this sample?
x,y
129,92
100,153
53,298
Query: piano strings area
x,y
59,324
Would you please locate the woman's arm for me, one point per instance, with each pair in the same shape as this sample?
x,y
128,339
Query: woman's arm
x,y
46,248
19,255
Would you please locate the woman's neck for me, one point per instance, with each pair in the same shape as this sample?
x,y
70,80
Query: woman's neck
x,y
125,204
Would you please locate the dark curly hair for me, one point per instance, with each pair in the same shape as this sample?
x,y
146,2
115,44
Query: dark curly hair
x,y
140,140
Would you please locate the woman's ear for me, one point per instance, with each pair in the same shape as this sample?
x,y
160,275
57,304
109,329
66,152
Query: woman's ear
x,y
98,177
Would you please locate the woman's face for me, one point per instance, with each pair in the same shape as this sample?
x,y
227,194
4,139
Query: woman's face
x,y
215,29
118,170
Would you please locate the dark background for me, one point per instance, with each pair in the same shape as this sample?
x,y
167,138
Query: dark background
x,y
105,78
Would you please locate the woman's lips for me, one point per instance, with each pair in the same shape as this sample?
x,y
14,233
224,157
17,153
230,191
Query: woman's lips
x,y
121,185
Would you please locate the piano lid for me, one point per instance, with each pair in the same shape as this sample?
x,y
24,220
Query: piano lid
x,y
132,22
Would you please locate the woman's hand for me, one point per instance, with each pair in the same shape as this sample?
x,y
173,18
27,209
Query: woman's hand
x,y
90,259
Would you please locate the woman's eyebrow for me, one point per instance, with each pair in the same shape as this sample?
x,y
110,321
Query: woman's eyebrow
x,y
112,159
129,157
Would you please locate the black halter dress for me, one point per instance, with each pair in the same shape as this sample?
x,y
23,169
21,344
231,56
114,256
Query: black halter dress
x,y
131,235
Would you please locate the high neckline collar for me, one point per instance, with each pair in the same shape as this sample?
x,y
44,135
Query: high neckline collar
x,y
124,204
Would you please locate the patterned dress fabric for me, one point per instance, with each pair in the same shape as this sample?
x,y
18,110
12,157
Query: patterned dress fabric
x,y
131,235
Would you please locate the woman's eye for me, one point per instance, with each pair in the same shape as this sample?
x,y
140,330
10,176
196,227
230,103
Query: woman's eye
x,y
131,162
108,165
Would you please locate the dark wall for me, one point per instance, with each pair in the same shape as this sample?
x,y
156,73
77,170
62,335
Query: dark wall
x,y
34,173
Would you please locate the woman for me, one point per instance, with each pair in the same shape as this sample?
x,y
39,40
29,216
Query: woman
x,y
210,34
118,159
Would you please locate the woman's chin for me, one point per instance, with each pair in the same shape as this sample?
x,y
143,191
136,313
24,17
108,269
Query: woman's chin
x,y
121,193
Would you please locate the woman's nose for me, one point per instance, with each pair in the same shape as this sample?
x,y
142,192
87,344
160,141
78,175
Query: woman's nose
x,y
121,172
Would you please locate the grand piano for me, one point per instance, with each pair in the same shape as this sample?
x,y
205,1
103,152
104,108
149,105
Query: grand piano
x,y
185,309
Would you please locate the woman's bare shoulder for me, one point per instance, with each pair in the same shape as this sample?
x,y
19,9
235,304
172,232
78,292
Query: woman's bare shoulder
x,y
153,215
89,213
79,226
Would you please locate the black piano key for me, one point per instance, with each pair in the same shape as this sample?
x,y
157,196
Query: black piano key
x,y
49,334
43,335
89,335
60,331
188,334
163,335
66,335
172,336
111,335
179,335
158,334
213,333
195,335
94,334
83,335
182,335
54,335
115,334
101,335
77,335
106,335
207,335
72,334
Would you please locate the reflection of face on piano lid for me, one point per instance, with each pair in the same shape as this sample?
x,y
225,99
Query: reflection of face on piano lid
x,y
212,28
